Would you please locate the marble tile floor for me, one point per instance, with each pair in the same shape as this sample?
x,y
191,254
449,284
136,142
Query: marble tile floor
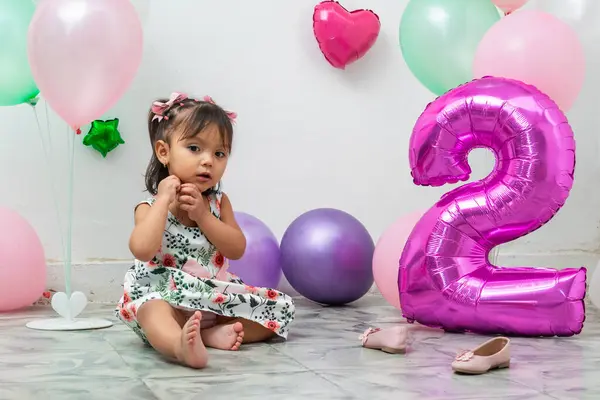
x,y
322,359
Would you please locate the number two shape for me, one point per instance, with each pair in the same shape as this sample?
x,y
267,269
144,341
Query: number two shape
x,y
445,279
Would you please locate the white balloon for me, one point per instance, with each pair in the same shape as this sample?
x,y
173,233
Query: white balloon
x,y
581,15
143,9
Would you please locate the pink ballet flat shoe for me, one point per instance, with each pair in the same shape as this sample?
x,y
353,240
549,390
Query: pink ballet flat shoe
x,y
391,340
493,354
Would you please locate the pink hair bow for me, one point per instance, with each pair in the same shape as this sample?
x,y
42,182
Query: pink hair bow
x,y
232,115
159,108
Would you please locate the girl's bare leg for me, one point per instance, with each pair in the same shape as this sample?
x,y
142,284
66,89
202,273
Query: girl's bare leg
x,y
162,325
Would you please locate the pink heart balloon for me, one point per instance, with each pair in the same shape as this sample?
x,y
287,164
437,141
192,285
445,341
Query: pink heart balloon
x,y
344,36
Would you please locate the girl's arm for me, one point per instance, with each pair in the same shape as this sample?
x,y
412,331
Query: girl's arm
x,y
146,238
225,233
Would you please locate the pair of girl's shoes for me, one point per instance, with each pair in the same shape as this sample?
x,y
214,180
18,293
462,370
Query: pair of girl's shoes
x,y
492,354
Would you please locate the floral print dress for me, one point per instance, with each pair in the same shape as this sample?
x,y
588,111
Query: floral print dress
x,y
189,273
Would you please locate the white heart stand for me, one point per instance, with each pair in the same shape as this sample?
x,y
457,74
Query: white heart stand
x,y
69,309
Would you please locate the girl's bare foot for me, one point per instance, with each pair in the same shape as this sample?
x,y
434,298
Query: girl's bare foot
x,y
224,337
191,350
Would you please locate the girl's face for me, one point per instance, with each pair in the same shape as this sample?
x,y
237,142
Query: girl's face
x,y
200,160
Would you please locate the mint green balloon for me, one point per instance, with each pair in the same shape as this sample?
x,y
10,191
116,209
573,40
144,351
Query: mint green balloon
x,y
438,39
16,81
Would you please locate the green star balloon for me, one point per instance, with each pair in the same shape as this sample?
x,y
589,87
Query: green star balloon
x,y
104,136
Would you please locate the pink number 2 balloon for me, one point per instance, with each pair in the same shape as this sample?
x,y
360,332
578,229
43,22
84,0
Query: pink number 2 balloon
x,y
445,278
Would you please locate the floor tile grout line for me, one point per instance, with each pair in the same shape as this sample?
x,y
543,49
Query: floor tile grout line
x,y
289,357
314,372
333,383
135,373
549,395
532,388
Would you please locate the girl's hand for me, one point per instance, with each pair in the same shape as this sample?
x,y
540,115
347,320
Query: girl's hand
x,y
192,201
168,188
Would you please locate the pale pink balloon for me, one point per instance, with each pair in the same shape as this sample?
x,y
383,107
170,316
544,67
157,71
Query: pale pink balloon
x,y
509,6
387,256
536,48
84,55
22,263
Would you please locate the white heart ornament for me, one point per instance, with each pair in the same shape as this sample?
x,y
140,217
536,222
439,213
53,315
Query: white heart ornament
x,y
69,308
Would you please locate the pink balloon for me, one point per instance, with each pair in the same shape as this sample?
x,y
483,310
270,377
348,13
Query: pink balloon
x,y
387,254
84,55
344,36
509,6
22,263
445,277
536,48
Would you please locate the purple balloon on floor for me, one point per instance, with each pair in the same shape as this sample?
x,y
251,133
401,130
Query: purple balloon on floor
x,y
326,255
261,263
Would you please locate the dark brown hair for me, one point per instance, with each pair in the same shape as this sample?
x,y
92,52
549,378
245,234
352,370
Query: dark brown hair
x,y
190,117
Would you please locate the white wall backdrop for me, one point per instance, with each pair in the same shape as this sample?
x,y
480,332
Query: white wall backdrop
x,y
307,136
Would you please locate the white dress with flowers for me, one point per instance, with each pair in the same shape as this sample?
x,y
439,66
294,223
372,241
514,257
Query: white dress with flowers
x,y
189,273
